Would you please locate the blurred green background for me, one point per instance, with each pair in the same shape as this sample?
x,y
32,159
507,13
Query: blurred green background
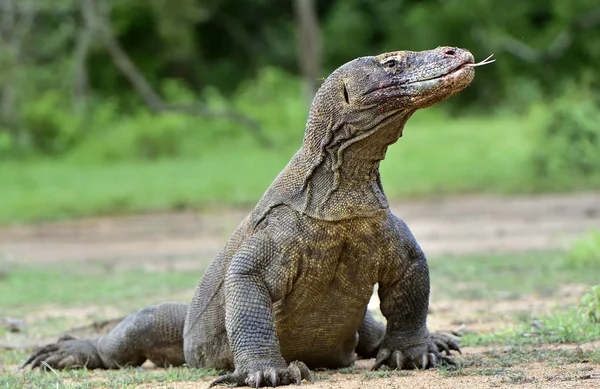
x,y
148,105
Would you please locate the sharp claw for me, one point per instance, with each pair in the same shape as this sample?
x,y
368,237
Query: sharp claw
x,y
218,381
28,361
424,361
382,356
227,379
258,377
44,351
53,361
271,375
454,346
310,378
296,372
305,372
443,346
432,359
65,337
397,357
38,361
49,348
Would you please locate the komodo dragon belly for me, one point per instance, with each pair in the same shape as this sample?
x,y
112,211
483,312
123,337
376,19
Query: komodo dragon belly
x,y
324,334
330,271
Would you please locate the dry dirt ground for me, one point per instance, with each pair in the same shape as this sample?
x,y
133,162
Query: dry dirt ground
x,y
466,224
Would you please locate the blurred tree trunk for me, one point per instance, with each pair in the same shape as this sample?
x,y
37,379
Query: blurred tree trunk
x,y
101,14
82,48
309,45
142,86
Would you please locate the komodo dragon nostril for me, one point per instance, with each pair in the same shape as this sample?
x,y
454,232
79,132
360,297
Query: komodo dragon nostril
x,y
450,52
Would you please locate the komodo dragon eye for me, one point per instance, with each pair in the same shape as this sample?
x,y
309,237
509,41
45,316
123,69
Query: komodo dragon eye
x,y
392,63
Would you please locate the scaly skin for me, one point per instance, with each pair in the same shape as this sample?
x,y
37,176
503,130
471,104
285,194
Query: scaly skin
x,y
289,291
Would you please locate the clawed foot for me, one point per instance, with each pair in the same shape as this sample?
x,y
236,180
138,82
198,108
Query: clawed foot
x,y
293,374
66,353
445,342
421,356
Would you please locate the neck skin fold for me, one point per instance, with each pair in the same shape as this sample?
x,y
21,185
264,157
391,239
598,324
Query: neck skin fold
x,y
344,181
335,174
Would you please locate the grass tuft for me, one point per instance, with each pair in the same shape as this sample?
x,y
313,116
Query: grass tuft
x,y
585,252
568,326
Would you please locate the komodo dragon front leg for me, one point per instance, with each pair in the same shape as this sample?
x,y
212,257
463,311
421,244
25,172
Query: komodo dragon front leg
x,y
249,319
404,297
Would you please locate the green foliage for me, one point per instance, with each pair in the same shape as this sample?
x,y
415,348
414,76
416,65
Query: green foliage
x,y
46,128
565,326
5,142
585,252
110,286
125,166
101,176
176,21
590,304
495,276
125,378
140,137
568,142
499,276
347,18
273,99
525,37
242,57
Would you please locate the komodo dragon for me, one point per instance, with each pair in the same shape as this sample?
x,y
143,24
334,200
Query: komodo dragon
x,y
289,291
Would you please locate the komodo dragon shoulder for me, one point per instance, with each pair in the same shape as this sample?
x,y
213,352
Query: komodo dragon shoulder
x,y
289,291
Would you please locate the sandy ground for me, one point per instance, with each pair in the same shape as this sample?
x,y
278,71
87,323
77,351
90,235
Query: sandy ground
x,y
534,376
467,224
459,225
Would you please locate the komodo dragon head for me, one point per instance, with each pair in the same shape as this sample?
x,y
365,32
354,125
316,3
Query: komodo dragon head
x,y
404,81
359,110
369,94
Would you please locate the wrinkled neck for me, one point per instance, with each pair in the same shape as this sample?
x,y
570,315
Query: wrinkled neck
x,y
348,165
345,176
335,174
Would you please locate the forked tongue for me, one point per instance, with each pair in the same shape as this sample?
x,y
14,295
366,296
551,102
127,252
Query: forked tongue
x,y
486,61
